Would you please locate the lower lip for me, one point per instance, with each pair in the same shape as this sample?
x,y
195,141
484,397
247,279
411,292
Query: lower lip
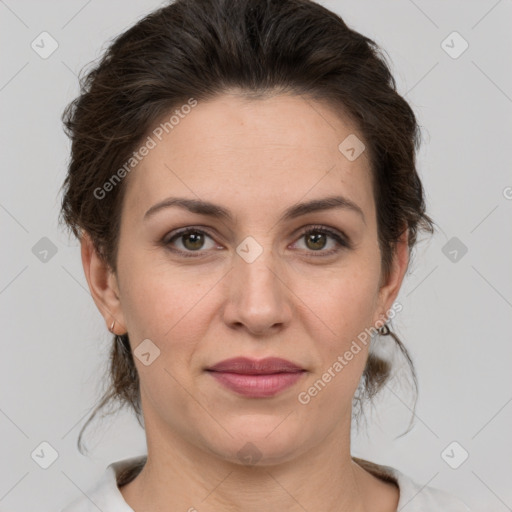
x,y
257,386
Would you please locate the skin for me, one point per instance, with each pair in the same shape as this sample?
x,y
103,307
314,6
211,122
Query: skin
x,y
255,158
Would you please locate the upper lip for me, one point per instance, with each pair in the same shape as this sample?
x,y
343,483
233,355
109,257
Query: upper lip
x,y
266,366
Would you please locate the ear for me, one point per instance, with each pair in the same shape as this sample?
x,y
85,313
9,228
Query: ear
x,y
389,289
103,285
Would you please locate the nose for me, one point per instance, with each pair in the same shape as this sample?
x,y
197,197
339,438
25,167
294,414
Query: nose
x,y
258,297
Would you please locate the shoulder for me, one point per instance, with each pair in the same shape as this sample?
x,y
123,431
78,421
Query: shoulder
x,y
415,497
104,494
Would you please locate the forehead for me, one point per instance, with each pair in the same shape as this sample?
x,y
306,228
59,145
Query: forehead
x,y
248,151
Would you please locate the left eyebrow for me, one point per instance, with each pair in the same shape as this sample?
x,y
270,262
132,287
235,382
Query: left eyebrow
x,y
214,210
326,203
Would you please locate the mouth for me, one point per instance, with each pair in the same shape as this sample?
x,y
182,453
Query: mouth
x,y
266,366
256,378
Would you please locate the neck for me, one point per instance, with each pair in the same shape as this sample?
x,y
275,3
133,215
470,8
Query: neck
x,y
181,476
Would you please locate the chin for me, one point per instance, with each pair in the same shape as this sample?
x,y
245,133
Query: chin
x,y
269,442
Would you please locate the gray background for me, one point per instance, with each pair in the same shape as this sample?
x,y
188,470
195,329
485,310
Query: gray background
x,y
456,316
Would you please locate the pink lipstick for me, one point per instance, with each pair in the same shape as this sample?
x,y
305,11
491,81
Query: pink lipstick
x,y
256,378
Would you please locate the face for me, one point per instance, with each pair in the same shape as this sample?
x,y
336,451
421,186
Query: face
x,y
251,283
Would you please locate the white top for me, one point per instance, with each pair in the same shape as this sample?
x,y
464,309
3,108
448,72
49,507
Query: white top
x,y
106,496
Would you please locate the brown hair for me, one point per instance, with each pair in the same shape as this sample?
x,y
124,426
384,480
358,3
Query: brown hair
x,y
200,49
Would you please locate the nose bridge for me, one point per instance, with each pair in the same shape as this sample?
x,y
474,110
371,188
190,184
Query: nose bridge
x,y
258,297
255,268
258,275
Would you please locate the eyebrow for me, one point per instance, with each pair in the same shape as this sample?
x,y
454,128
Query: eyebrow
x,y
217,211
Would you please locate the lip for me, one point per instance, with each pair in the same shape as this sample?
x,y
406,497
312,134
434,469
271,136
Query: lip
x,y
256,378
247,366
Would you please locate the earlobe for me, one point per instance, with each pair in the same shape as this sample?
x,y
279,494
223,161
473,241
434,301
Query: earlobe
x,y
102,284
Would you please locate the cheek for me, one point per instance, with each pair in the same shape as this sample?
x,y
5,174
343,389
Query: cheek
x,y
166,305
344,299
343,304
346,307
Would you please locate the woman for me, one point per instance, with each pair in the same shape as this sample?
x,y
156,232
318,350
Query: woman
x,y
243,184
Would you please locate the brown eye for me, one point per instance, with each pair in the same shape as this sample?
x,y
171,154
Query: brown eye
x,y
316,240
191,240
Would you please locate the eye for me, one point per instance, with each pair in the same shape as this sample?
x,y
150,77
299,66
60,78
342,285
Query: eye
x,y
316,238
191,239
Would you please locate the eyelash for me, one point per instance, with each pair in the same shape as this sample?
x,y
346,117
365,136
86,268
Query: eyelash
x,y
341,240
